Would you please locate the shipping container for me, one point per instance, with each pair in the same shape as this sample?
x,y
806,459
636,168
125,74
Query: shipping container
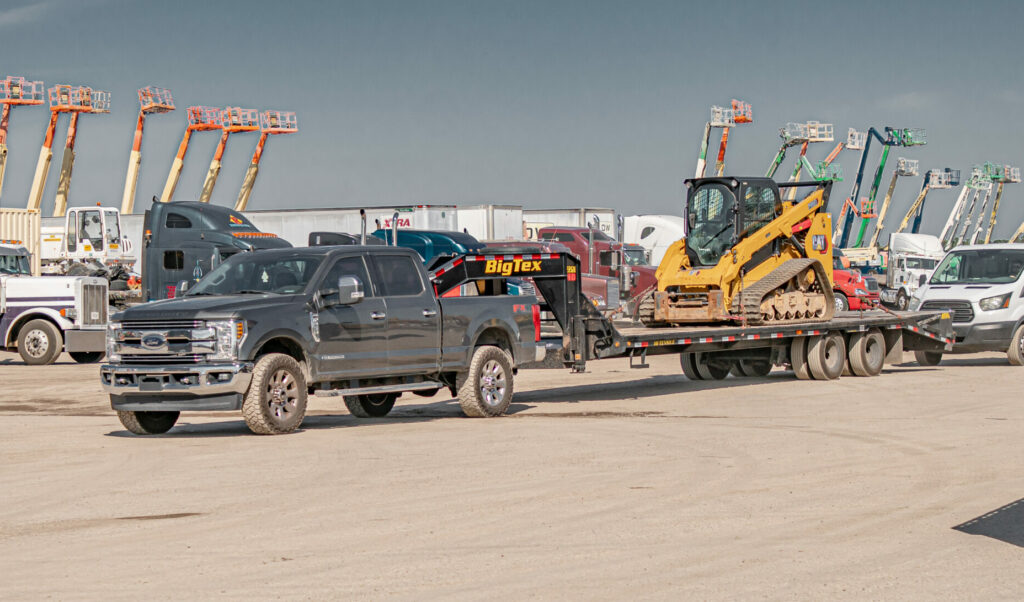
x,y
22,225
492,222
294,225
535,219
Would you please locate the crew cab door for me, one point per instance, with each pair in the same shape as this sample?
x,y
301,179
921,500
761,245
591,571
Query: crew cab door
x,y
353,338
413,316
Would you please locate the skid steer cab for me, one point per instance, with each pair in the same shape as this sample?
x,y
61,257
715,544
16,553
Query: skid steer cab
x,y
89,234
748,256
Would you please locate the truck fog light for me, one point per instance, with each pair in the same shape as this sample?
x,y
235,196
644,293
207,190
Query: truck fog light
x,y
224,377
121,380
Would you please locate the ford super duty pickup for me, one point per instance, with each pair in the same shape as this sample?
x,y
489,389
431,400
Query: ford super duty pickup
x,y
265,329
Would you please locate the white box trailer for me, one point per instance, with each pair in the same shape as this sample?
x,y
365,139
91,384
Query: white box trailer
x,y
23,225
294,225
535,219
492,222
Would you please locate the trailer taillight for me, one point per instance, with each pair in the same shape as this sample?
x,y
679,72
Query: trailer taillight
x,y
536,323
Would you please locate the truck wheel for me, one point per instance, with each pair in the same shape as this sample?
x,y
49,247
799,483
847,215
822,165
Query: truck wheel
x,y
686,360
486,390
370,406
86,357
148,423
276,400
842,303
826,356
867,353
40,342
798,358
708,371
928,358
902,301
755,367
1015,353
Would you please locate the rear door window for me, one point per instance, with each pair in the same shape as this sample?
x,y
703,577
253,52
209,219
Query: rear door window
x,y
399,275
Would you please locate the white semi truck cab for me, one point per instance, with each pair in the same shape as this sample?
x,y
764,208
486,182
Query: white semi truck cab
x,y
912,259
41,316
982,287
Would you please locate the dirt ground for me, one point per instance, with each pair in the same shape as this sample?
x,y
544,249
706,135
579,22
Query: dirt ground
x,y
615,484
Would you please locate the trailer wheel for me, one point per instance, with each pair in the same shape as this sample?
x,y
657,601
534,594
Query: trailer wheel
x,y
370,406
707,370
826,356
755,368
486,390
148,423
928,358
798,358
902,300
1015,353
86,357
39,342
276,400
867,353
737,370
686,360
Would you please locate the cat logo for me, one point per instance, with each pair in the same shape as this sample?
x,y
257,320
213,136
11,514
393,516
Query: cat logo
x,y
507,268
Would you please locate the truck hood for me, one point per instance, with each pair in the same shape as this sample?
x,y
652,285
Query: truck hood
x,y
202,308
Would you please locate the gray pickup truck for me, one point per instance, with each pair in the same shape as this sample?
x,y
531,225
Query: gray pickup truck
x,y
265,329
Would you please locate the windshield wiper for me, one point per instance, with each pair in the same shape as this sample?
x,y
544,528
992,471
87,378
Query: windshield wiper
x,y
253,292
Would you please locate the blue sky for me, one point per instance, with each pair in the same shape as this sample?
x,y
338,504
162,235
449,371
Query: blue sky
x,y
543,104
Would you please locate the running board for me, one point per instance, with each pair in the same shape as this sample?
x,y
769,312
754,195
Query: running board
x,y
424,386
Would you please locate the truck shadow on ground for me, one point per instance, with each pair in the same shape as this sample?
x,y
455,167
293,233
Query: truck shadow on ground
x,y
1005,524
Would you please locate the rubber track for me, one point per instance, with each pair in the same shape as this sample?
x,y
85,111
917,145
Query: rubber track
x,y
748,303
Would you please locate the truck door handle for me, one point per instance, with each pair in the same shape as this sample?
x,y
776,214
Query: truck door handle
x,y
429,313
378,315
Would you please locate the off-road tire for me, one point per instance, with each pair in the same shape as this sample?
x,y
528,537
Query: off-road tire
x,y
706,370
798,358
866,353
86,357
40,342
275,405
1015,353
826,356
841,302
370,406
472,397
148,423
928,358
689,366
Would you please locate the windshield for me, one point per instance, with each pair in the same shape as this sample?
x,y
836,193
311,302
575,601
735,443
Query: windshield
x,y
258,273
976,266
113,232
634,257
14,264
917,263
710,223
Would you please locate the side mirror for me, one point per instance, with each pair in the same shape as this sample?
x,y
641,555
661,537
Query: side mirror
x,y
181,288
350,290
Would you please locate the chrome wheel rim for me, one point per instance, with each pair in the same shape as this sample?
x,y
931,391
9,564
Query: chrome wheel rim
x,y
492,383
282,394
839,304
37,343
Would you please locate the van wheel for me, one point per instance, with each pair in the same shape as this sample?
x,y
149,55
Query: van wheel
x,y
39,343
370,406
148,423
276,400
486,390
1016,351
928,358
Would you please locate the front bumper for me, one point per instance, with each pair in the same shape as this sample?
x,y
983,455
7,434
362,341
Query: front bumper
x,y
176,387
869,301
85,340
985,336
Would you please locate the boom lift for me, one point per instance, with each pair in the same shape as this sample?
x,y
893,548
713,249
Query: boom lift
x,y
933,179
995,173
233,119
64,99
976,182
792,134
739,113
1008,175
14,91
904,168
893,137
816,132
271,123
984,182
200,119
749,256
151,100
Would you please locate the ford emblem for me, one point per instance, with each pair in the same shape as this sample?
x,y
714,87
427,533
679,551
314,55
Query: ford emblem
x,y
153,340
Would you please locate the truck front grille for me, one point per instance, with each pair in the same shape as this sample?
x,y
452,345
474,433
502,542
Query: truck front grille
x,y
962,310
872,284
161,324
94,305
163,358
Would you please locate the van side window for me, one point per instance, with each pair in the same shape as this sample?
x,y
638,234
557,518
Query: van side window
x,y
399,276
177,220
174,260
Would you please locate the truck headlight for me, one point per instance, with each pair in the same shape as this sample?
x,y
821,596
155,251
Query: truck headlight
x,y
997,302
113,351
860,292
230,334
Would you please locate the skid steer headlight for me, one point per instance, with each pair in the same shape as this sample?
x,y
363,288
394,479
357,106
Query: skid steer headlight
x,y
997,302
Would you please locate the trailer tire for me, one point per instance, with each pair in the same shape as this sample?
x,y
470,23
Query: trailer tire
x,y
276,400
755,368
40,342
370,406
826,356
148,423
867,353
486,390
686,360
1015,353
798,358
708,371
928,358
86,357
